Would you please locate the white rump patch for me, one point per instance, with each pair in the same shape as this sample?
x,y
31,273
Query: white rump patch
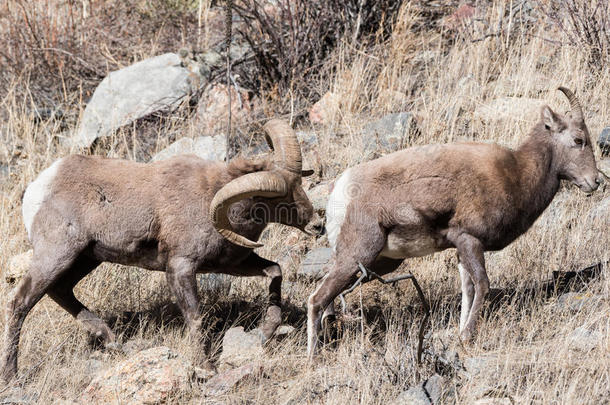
x,y
36,193
337,207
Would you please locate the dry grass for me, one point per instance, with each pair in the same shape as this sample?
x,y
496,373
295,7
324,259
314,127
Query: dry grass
x,y
524,338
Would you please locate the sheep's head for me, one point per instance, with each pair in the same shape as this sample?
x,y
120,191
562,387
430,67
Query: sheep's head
x,y
572,144
284,199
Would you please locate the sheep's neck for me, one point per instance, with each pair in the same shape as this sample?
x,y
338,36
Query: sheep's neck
x,y
538,177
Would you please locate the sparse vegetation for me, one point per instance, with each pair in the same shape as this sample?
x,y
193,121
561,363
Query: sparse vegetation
x,y
52,55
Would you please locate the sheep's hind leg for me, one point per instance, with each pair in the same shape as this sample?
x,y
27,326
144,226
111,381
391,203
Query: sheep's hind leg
x,y
364,250
48,265
62,293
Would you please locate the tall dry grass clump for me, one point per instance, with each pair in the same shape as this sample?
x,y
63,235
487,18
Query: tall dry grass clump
x,y
446,73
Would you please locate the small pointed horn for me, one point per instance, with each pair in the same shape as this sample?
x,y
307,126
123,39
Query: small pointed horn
x,y
577,114
283,140
259,184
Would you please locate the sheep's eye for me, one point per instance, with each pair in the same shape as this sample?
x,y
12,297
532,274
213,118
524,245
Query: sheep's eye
x,y
578,141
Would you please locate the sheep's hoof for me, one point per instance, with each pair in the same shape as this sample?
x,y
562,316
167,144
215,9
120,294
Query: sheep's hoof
x,y
271,322
466,335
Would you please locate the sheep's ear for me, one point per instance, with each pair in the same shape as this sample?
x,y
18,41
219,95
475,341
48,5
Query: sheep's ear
x,y
549,118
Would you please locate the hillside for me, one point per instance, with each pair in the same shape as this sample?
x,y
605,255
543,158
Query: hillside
x,y
357,80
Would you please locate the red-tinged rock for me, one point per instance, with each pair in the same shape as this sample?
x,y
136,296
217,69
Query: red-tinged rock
x,y
151,376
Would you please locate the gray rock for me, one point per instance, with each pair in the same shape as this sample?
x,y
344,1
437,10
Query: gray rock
x,y
390,133
284,330
314,263
224,382
435,388
604,141
318,196
480,365
413,396
206,147
307,140
16,395
240,347
156,84
575,302
584,339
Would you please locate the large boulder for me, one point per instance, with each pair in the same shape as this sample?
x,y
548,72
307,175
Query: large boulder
x,y
206,147
152,376
155,84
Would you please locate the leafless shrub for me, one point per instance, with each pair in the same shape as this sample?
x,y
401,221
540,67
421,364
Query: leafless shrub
x,y
586,24
291,40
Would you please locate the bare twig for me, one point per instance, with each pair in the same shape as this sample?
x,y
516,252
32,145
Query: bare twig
x,y
371,275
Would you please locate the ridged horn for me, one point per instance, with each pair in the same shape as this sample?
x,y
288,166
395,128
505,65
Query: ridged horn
x,y
259,184
574,104
283,140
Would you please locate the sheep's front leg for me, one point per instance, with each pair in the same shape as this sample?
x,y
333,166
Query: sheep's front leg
x,y
470,251
255,265
182,281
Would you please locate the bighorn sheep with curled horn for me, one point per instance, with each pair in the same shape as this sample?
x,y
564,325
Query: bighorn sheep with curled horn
x,y
474,197
183,216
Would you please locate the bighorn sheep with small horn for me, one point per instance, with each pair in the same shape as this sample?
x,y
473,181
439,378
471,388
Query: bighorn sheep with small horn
x,y
183,216
474,197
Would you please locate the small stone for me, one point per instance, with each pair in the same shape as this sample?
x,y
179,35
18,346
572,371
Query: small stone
x,y
604,141
205,147
480,365
203,374
240,347
435,388
493,401
17,266
584,339
389,133
575,302
314,264
413,396
325,109
284,330
224,382
318,196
